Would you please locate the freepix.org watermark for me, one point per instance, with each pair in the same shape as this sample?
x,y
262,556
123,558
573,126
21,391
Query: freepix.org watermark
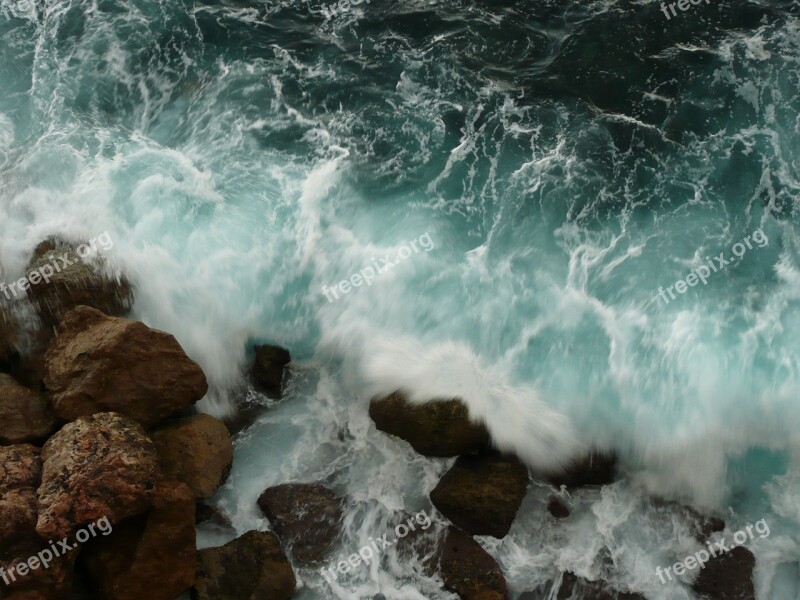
x,y
703,272
379,266
23,8
58,264
43,558
683,5
715,549
366,554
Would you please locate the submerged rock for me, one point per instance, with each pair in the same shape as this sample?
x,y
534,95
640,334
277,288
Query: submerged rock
x,y
468,570
482,494
252,567
728,576
436,428
306,517
597,468
196,450
98,466
268,369
150,556
25,415
572,587
98,363
61,280
557,507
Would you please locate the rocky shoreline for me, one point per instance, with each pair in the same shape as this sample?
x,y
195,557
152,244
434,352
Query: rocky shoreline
x,y
97,422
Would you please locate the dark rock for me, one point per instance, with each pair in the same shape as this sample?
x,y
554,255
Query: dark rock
x,y
98,363
729,576
196,450
252,567
25,415
594,469
557,507
306,517
468,570
205,514
81,282
9,339
150,556
98,466
572,587
436,428
268,369
482,494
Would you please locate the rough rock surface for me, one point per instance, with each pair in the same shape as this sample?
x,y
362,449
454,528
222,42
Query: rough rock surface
x,y
149,556
481,494
8,338
20,474
196,450
468,570
252,567
25,415
98,363
98,466
729,576
436,428
74,282
596,468
306,517
268,369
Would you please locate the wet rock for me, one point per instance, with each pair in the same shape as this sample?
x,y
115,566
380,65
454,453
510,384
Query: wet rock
x,y
482,494
196,450
268,369
98,363
20,475
98,466
25,415
60,280
572,587
595,469
436,428
252,567
557,507
9,339
306,517
149,556
729,576
209,514
468,570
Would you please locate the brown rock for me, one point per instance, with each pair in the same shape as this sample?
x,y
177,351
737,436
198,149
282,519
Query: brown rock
x,y
306,518
98,363
468,570
9,339
557,507
20,474
595,469
98,466
481,494
74,282
436,428
252,567
25,416
729,576
196,450
268,368
149,556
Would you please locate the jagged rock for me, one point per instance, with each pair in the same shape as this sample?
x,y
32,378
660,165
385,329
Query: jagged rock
x,y
98,363
205,514
468,570
20,474
482,494
306,517
595,469
196,450
71,281
268,368
436,428
557,507
25,415
252,567
728,576
149,556
98,466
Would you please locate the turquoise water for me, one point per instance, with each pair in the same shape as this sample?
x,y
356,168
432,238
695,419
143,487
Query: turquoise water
x,y
568,160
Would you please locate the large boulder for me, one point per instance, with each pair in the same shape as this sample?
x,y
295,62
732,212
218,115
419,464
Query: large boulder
x,y
98,466
150,556
596,468
268,369
196,450
65,275
20,474
98,363
252,567
25,415
306,517
482,494
728,576
436,428
468,570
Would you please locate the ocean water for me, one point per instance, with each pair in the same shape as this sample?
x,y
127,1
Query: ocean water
x,y
563,162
